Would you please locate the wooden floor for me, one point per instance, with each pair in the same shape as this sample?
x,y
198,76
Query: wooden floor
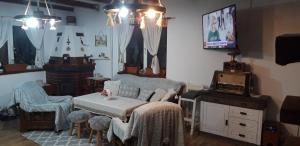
x,y
10,136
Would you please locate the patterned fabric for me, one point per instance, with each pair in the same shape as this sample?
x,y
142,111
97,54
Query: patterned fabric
x,y
145,94
171,93
113,86
158,95
99,122
79,116
128,91
50,138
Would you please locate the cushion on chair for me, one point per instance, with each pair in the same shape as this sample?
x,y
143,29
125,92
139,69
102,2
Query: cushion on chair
x,y
145,94
128,91
158,95
113,86
99,123
79,116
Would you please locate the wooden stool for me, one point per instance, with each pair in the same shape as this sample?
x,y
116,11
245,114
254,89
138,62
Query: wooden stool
x,y
78,119
99,124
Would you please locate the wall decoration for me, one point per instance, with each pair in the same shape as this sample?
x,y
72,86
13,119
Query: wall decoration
x,y
101,40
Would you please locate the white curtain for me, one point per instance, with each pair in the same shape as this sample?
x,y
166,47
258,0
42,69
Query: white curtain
x,y
125,31
36,36
50,43
152,34
6,36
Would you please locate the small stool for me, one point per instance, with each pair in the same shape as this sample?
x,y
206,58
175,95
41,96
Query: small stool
x,y
99,124
78,118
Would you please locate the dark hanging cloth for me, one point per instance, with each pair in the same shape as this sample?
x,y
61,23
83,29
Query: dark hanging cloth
x,y
134,50
4,54
288,49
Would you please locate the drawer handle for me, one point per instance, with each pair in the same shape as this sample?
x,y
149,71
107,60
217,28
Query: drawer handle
x,y
243,113
242,135
242,124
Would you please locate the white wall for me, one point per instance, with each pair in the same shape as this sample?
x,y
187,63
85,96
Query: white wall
x,y
9,82
94,22
257,28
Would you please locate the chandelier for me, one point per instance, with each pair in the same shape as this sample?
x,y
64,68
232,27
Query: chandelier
x,y
37,19
135,11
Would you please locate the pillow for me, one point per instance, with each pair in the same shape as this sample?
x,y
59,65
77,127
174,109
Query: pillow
x,y
112,86
158,95
128,91
169,94
145,94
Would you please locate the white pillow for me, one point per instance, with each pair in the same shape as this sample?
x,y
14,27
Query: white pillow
x,y
113,86
158,95
169,94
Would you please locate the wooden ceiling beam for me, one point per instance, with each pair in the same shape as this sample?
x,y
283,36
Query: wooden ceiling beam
x,y
33,3
75,3
102,1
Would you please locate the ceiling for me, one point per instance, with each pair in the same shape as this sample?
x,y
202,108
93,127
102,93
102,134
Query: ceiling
x,y
66,5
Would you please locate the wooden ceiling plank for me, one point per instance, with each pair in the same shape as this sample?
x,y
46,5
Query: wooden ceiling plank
x,y
77,4
57,7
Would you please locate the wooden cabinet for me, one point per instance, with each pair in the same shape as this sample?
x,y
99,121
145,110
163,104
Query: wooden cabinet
x,y
231,121
214,118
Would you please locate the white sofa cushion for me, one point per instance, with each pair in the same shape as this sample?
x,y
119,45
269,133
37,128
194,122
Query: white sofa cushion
x,y
169,94
113,87
128,91
145,94
158,95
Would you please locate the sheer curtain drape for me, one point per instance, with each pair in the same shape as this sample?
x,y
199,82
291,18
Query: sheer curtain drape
x,y
6,36
36,36
152,35
125,31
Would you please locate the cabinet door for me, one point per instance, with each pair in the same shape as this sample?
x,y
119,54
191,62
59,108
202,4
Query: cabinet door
x,y
214,118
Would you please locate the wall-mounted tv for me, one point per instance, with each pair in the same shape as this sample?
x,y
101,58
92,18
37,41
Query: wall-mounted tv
x,y
219,29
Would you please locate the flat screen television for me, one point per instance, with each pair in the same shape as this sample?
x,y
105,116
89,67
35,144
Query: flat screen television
x,y
219,29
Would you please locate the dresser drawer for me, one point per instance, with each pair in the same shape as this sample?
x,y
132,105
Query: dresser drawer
x,y
250,137
243,113
243,125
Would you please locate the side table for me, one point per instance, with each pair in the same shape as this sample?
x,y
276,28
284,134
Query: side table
x,y
97,83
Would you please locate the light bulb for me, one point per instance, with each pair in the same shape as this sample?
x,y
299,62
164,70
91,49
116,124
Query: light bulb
x,y
52,27
52,22
32,22
142,25
151,13
24,26
123,12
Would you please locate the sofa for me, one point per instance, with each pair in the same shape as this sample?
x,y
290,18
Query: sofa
x,y
149,84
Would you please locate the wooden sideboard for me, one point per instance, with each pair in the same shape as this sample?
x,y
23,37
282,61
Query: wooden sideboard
x,y
233,116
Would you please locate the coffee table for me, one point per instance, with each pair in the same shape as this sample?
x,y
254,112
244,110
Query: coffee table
x,y
116,106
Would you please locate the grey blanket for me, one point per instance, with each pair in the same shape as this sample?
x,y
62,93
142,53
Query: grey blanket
x,y
152,124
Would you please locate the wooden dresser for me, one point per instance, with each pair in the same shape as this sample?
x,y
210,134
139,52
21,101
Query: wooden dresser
x,y
233,116
69,78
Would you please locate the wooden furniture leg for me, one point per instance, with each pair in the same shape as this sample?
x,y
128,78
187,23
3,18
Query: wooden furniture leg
x,y
91,136
71,129
78,130
99,138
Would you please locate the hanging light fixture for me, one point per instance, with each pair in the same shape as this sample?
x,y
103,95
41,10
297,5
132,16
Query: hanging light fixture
x,y
38,19
135,11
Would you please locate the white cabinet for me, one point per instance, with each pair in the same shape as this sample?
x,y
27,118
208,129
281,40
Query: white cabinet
x,y
233,122
214,118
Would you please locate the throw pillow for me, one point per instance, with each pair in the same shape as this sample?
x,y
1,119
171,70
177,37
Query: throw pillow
x,y
170,93
145,94
128,91
112,86
158,95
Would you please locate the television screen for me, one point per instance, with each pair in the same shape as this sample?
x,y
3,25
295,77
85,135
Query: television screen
x,y
219,29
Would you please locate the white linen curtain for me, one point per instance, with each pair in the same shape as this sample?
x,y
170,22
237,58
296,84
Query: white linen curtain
x,y
125,31
50,43
36,36
152,35
6,36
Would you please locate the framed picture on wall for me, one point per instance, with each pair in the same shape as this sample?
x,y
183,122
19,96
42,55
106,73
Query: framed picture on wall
x,y
101,40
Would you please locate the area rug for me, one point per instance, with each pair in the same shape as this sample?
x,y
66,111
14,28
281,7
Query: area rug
x,y
49,138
